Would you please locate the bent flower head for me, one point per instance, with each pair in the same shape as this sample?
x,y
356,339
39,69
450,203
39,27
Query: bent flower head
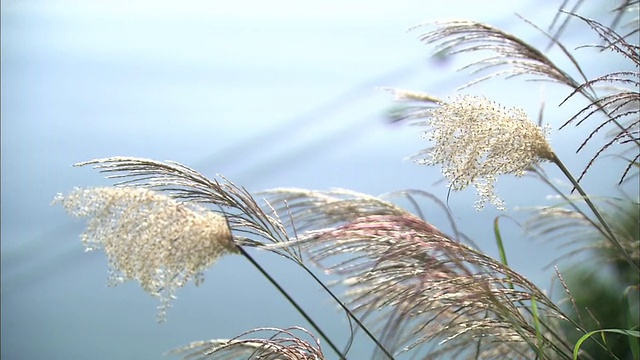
x,y
475,140
150,237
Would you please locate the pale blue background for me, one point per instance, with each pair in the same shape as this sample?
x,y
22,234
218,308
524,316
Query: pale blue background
x,y
269,94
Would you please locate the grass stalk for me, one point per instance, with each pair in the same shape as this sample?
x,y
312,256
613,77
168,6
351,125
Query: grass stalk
x,y
350,314
292,302
610,234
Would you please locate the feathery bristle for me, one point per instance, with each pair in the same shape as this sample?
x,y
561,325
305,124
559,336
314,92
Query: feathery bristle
x,y
150,237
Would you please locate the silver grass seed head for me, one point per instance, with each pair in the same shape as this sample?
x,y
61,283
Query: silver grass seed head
x,y
294,343
149,237
476,139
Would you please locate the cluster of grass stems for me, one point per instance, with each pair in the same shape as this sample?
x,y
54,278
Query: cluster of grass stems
x,y
411,288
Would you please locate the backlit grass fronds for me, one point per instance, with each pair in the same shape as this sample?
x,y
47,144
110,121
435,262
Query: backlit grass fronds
x,y
626,9
245,222
419,109
516,56
621,107
612,40
250,224
314,209
567,226
420,288
274,344
410,95
476,140
417,286
150,237
631,7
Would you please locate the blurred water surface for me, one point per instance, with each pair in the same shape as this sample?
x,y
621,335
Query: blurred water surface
x,y
268,94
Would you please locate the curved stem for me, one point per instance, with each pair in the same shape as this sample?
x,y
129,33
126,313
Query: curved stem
x,y
292,302
610,235
350,313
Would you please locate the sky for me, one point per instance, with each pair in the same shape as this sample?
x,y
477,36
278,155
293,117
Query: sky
x,y
269,94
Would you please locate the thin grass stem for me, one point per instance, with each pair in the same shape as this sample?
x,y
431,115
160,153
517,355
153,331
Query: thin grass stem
x,y
292,302
350,313
342,305
610,234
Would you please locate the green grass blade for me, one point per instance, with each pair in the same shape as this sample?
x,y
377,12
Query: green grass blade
x,y
634,345
501,250
536,323
576,348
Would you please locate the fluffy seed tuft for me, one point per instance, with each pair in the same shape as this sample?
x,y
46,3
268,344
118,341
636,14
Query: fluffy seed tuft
x,y
476,140
150,237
